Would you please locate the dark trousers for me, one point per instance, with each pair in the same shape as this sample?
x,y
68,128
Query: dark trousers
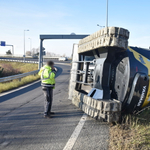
x,y
48,94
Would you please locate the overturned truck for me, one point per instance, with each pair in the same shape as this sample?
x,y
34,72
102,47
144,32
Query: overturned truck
x,y
108,78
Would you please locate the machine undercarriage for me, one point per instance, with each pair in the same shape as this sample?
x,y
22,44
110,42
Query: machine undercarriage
x,y
109,78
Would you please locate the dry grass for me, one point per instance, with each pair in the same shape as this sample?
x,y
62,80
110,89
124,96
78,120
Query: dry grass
x,y
133,134
16,83
12,68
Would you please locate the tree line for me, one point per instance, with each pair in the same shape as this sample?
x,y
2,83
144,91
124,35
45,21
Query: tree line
x,y
35,52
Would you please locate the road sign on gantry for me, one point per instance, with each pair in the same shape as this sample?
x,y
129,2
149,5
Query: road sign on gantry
x,y
3,43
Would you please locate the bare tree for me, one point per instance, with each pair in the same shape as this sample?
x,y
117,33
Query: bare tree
x,y
64,55
48,54
37,50
33,51
8,52
28,53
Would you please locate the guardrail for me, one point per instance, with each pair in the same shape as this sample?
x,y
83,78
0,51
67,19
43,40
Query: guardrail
x,y
19,76
44,57
13,60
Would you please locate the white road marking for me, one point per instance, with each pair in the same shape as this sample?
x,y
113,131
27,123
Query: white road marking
x,y
5,143
22,87
76,133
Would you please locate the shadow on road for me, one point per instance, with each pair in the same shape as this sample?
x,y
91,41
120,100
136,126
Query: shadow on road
x,y
67,114
26,89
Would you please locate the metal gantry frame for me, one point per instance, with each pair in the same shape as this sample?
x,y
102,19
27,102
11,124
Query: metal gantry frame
x,y
55,36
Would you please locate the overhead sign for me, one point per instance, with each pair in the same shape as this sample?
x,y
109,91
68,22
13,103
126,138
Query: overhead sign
x,y
3,43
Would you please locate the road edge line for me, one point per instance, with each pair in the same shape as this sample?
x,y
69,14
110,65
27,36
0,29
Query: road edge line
x,y
69,145
22,87
19,88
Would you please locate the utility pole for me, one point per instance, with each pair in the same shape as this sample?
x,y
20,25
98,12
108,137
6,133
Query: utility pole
x,y
24,45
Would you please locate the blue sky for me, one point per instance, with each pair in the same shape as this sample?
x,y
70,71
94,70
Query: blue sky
x,y
67,16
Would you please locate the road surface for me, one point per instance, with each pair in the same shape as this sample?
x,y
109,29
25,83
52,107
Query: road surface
x,y
22,126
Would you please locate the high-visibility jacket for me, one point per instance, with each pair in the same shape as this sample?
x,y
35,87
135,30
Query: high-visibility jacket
x,y
47,76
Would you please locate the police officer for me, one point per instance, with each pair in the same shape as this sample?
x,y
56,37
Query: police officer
x,y
47,74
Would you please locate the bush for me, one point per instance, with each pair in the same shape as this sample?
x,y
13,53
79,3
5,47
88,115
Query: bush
x,y
8,70
1,71
13,68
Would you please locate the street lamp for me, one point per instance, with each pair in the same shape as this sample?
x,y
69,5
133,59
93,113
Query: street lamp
x,y
24,44
30,43
100,26
107,14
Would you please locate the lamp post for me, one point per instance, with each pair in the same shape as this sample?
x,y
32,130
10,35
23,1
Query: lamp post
x,y
24,45
107,14
30,43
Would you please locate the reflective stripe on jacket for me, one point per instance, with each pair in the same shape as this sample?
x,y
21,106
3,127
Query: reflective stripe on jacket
x,y
47,76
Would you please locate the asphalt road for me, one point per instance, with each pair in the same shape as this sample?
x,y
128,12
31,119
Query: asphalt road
x,y
22,126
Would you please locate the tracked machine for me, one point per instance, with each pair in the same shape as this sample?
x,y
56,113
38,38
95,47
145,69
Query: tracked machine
x,y
108,77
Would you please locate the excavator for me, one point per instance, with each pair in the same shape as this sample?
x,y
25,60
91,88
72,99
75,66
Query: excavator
x,y
115,81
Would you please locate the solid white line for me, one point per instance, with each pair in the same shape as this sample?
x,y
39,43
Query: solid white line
x,y
22,87
76,133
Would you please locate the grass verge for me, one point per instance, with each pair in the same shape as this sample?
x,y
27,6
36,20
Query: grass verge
x,y
132,134
16,83
13,68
